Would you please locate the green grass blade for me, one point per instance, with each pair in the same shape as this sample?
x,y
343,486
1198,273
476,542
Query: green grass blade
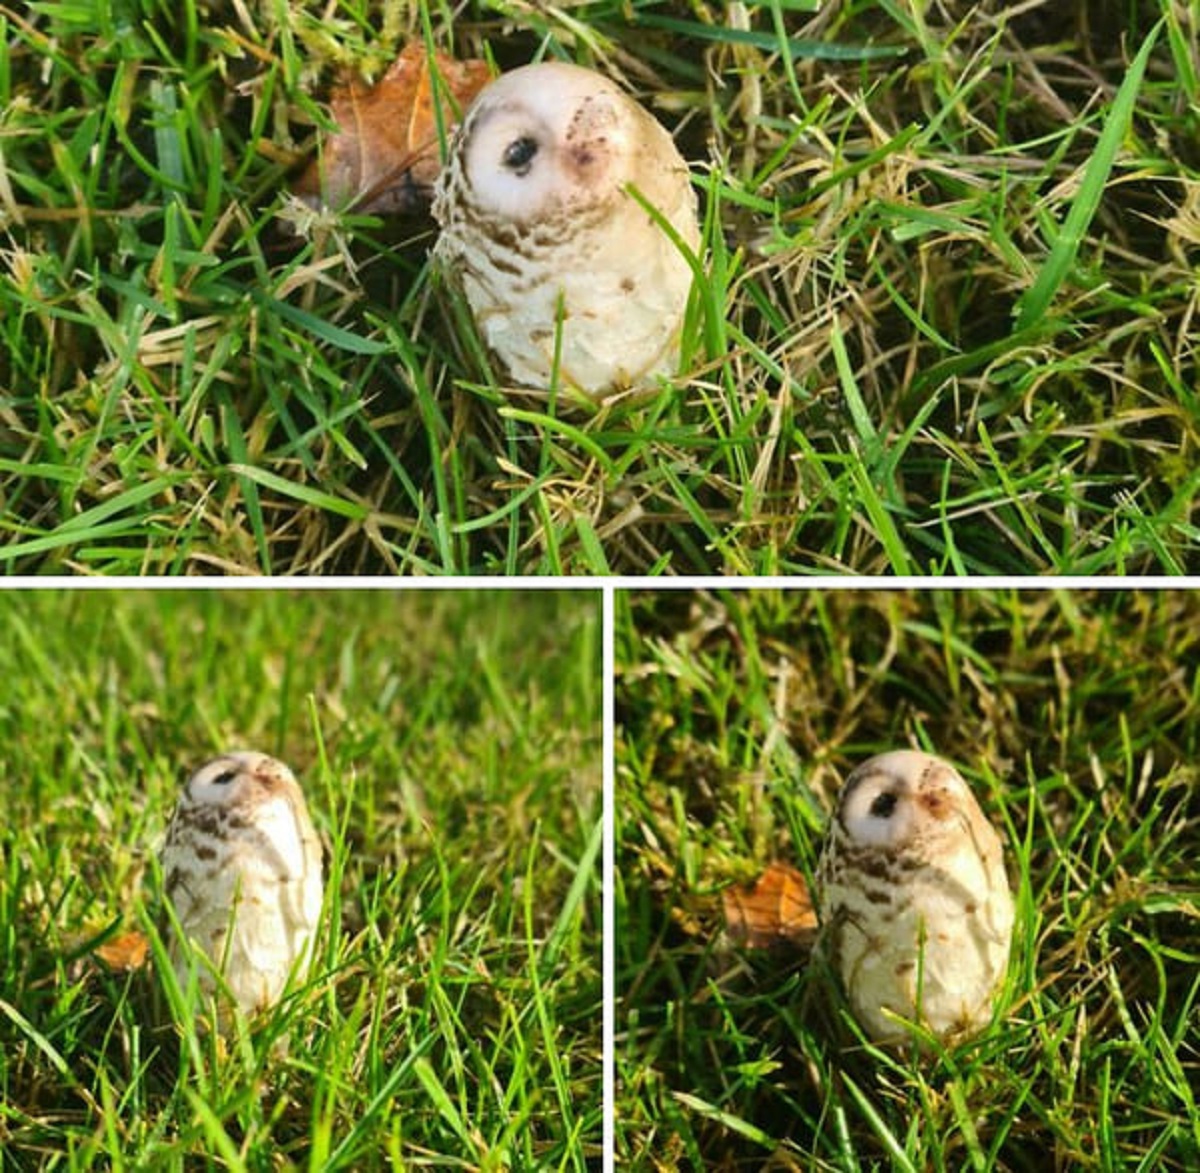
x,y
1036,301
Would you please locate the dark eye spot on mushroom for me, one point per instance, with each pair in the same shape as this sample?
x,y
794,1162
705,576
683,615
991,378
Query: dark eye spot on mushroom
x,y
519,155
883,805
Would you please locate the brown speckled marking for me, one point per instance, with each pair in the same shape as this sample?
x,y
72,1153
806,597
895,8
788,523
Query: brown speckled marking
x,y
939,803
873,864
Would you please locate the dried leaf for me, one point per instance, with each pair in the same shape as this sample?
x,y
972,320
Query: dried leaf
x,y
777,910
385,157
125,952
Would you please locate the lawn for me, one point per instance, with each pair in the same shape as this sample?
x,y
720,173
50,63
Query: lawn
x,y
449,743
1074,715
946,323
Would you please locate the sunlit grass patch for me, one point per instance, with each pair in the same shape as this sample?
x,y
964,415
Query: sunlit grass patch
x,y
945,321
449,747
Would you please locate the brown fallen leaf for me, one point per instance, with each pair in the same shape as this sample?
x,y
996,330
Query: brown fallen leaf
x,y
125,952
776,910
385,158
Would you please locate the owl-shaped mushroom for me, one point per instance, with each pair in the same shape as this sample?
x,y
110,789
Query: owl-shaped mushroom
x,y
915,908
242,867
569,277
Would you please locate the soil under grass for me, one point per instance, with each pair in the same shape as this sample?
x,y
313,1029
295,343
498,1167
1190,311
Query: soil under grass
x,y
947,323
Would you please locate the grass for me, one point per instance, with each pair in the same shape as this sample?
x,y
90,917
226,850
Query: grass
x,y
946,321
450,746
1075,716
